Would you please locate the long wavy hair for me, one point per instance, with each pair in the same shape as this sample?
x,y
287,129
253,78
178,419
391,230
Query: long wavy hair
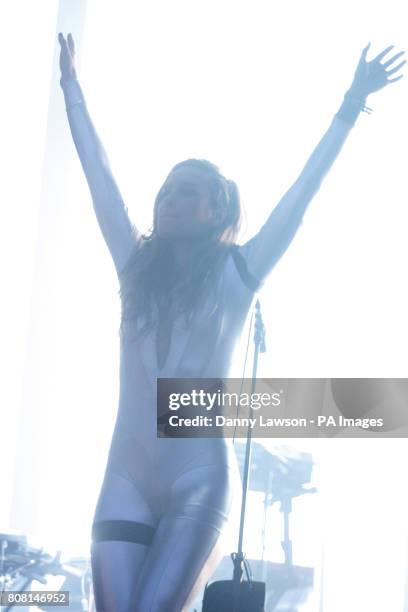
x,y
150,275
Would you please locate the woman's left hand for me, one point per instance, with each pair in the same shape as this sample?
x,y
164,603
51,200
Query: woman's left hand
x,y
372,76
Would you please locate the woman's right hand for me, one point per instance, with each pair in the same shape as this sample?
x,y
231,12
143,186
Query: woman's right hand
x,y
67,57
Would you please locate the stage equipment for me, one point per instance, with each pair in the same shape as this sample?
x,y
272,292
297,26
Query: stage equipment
x,y
21,564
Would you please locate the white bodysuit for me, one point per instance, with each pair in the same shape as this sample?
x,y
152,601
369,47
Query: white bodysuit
x,y
183,488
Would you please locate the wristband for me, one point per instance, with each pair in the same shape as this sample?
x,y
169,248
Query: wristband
x,y
72,92
351,107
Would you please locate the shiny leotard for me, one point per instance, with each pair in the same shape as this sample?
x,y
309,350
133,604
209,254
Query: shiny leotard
x,y
187,485
164,503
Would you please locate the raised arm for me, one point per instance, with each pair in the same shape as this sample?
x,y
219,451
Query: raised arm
x,y
119,233
268,245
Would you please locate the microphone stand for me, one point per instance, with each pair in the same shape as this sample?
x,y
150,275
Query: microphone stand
x,y
238,558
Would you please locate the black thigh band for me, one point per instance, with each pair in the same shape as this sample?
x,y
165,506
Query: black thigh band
x,y
125,531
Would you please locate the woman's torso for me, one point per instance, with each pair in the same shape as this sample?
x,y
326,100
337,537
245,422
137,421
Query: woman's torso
x,y
202,348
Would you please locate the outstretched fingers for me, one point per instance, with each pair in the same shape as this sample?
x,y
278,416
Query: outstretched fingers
x,y
396,79
364,53
63,42
396,68
67,44
373,75
390,62
383,53
392,59
71,43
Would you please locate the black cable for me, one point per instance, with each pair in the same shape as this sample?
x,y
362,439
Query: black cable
x,y
243,373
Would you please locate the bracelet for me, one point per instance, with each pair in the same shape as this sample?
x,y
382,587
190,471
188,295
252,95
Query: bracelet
x,y
71,89
75,103
358,101
351,107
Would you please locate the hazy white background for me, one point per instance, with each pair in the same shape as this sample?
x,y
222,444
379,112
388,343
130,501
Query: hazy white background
x,y
251,86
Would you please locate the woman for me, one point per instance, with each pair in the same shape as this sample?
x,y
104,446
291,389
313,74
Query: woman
x,y
186,289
